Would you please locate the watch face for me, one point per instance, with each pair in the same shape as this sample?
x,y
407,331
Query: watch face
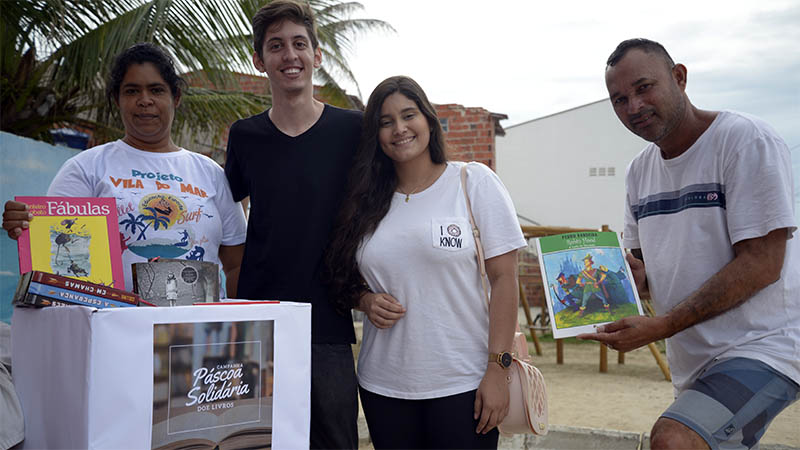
x,y
505,359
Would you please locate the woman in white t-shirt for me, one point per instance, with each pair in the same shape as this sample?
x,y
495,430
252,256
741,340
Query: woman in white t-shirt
x,y
171,202
431,366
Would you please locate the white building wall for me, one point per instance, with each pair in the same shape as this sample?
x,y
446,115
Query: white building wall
x,y
545,164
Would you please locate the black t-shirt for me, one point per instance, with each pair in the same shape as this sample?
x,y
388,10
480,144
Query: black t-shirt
x,y
296,185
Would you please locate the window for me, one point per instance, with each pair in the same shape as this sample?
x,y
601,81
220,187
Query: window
x,y
602,171
443,121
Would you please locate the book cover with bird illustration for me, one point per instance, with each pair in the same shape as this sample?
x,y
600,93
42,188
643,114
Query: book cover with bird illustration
x,y
76,237
587,281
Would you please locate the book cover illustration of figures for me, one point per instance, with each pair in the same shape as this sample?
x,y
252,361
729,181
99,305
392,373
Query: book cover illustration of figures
x,y
212,385
73,237
587,281
176,282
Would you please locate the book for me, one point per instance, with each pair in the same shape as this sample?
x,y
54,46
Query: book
x,y
39,301
76,285
213,385
587,281
39,294
176,282
250,439
73,236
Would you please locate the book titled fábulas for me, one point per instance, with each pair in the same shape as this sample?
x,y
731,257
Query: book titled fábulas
x,y
77,237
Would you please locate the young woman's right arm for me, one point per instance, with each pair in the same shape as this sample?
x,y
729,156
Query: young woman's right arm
x,y
382,310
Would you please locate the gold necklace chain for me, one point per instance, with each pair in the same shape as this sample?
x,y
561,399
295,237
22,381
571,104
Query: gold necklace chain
x,y
409,194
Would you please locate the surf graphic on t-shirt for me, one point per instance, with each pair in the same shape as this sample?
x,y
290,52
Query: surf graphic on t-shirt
x,y
158,212
161,224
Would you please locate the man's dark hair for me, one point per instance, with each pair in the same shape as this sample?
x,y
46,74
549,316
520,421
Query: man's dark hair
x,y
645,45
278,11
141,53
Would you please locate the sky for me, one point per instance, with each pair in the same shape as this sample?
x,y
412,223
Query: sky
x,y
528,59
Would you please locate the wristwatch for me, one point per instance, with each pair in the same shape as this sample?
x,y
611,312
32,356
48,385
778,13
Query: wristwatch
x,y
504,359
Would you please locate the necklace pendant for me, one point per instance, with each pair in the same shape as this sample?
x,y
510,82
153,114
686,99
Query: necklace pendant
x,y
407,195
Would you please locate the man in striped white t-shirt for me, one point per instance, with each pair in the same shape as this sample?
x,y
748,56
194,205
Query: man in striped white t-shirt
x,y
709,220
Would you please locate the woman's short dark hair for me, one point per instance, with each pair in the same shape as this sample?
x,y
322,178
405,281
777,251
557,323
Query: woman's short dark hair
x,y
141,53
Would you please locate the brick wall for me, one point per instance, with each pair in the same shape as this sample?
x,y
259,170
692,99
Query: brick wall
x,y
531,279
248,83
242,82
471,133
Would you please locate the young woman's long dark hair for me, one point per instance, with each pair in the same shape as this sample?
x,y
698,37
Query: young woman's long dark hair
x,y
371,183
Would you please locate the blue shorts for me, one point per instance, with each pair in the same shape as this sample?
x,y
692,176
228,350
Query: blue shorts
x,y
733,401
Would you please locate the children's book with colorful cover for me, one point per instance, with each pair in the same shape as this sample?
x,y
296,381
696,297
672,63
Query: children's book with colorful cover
x,y
77,237
587,281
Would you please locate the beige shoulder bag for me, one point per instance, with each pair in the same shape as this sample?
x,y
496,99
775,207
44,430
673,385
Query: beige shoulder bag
x,y
527,410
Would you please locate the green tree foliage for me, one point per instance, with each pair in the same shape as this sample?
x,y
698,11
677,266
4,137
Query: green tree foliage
x,y
56,55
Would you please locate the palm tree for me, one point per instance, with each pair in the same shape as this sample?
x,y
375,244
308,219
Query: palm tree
x,y
56,54
133,223
153,219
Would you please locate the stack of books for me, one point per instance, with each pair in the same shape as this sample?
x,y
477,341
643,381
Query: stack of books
x,y
36,289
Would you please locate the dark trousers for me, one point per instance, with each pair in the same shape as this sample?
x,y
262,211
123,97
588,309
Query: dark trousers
x,y
334,397
440,423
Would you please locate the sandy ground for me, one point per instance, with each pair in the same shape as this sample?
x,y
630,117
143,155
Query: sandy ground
x,y
629,397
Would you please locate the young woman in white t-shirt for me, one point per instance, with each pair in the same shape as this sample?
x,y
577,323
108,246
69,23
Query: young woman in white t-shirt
x,y
193,214
431,371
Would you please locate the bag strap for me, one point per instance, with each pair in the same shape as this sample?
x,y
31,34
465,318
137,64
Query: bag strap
x,y
476,233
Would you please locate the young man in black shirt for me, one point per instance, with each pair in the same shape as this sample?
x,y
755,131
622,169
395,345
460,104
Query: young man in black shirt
x,y
292,161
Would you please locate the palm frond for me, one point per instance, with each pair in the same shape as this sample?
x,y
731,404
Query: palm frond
x,y
207,111
56,55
